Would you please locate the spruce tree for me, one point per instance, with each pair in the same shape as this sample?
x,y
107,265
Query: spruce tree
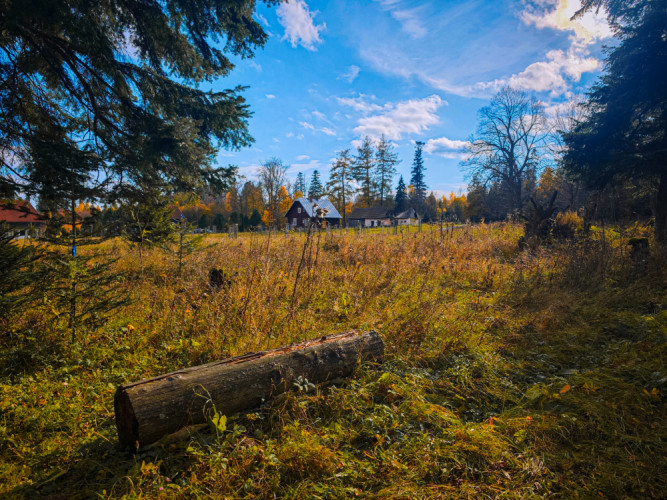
x,y
255,219
362,172
401,199
113,93
385,168
219,222
81,288
300,184
417,179
315,190
622,137
340,183
147,222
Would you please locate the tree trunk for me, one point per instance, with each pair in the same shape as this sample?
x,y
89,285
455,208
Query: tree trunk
x,y
661,210
152,408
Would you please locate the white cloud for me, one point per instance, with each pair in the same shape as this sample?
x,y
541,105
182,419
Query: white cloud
x,y
351,74
450,155
360,103
255,65
310,126
289,134
299,25
407,117
447,148
262,19
270,96
320,115
304,167
478,67
554,74
302,157
249,170
409,19
557,14
395,62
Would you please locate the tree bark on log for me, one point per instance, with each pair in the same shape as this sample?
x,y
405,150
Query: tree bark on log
x,y
150,409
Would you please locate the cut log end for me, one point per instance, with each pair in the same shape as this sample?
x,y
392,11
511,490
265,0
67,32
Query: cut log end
x,y
126,421
153,408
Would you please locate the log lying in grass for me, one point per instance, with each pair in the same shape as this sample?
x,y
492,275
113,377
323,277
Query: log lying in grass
x,y
155,407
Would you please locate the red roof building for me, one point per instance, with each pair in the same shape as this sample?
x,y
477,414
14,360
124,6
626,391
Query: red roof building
x,y
20,215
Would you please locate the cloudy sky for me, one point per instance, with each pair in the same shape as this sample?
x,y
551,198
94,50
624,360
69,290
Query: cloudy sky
x,y
335,71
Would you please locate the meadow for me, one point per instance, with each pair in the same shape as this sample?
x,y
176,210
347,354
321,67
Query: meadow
x,y
508,374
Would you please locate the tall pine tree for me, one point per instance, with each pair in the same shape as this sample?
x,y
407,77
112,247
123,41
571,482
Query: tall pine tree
x,y
418,196
315,190
300,184
418,169
362,171
340,183
401,199
385,168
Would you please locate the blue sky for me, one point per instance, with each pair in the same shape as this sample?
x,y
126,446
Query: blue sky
x,y
335,71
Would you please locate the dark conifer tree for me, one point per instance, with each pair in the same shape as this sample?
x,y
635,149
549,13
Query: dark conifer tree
x,y
255,219
315,190
113,93
417,179
623,134
401,199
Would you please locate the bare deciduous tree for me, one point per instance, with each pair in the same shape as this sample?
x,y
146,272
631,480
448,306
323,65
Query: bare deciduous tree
x,y
271,176
507,147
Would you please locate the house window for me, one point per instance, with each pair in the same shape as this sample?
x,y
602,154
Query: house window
x,y
298,210
294,221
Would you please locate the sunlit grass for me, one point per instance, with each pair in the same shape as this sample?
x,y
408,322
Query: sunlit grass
x,y
508,374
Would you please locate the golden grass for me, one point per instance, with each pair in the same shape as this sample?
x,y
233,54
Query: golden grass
x,y
482,341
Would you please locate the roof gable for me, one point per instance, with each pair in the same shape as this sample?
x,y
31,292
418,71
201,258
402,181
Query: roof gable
x,y
407,214
370,213
20,211
324,203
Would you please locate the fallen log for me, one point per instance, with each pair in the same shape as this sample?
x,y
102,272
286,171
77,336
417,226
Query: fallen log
x,y
150,409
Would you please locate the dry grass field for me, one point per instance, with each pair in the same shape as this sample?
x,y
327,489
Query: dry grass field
x,y
509,374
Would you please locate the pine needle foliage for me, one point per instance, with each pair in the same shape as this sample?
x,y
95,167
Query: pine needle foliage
x,y
105,94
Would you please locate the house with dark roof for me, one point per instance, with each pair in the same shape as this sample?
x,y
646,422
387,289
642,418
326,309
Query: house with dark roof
x,y
369,217
20,216
177,216
303,209
406,218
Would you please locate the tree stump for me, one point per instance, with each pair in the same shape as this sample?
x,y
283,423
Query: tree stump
x,y
150,409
